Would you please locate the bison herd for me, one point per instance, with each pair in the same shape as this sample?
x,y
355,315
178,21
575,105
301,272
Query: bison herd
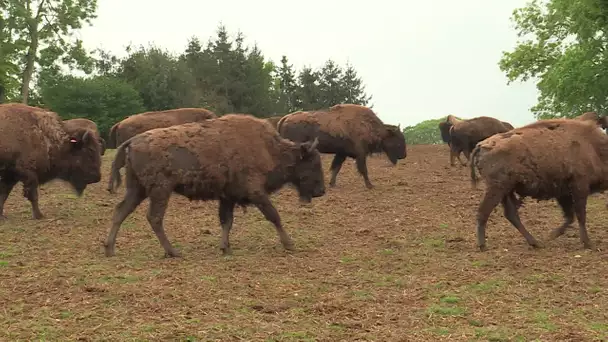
x,y
238,159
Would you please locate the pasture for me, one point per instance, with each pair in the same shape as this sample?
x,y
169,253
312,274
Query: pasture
x,y
396,263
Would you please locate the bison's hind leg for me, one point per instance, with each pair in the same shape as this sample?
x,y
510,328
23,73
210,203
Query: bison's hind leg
x,y
509,203
133,197
226,212
490,200
567,205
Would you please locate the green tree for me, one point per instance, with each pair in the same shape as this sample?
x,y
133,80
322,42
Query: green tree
x,y
353,86
331,88
287,85
102,99
563,46
44,31
425,132
162,80
309,92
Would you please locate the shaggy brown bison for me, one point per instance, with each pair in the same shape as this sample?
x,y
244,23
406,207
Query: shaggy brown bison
x,y
236,159
346,130
560,158
82,123
142,122
36,147
463,135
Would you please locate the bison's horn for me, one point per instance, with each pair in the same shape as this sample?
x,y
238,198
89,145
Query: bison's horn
x,y
85,135
314,144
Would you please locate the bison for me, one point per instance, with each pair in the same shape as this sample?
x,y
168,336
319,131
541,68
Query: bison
x,y
36,147
560,158
142,122
235,159
75,124
462,135
346,130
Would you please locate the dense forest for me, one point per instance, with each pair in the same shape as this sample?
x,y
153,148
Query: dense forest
x,y
38,56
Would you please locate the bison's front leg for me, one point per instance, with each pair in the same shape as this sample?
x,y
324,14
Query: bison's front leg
x,y
226,212
6,185
271,214
580,208
30,191
159,200
362,168
336,165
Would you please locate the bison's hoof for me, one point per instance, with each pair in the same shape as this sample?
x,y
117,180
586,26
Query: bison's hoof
x,y
537,245
333,185
289,246
369,186
482,248
3,217
109,252
588,245
37,216
173,253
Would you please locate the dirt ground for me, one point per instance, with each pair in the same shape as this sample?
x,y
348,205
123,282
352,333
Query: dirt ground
x,y
396,263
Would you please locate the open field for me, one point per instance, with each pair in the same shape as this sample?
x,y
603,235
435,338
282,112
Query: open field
x,y
397,263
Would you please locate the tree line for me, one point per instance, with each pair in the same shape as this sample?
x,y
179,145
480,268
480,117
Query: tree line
x,y
38,55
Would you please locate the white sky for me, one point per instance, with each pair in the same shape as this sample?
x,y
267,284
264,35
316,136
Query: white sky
x,y
419,59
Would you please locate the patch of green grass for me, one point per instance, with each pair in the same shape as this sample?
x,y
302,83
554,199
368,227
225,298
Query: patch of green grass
x,y
450,299
444,226
387,251
494,334
542,319
346,259
447,310
487,286
595,289
3,263
297,336
362,295
209,278
434,243
441,331
479,263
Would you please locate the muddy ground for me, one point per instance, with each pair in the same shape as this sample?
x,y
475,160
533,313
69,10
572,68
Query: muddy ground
x,y
397,263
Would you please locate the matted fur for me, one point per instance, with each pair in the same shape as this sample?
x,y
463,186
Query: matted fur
x,y
565,159
139,123
274,120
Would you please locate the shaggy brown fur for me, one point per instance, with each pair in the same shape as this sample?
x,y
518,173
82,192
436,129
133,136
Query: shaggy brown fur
x,y
561,158
36,147
236,159
82,123
348,131
142,122
463,135
274,120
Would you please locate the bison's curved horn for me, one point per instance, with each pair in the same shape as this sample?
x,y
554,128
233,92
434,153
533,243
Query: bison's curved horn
x,y
314,144
86,135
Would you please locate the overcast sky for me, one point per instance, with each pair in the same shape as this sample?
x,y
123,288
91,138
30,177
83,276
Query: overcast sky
x,y
419,59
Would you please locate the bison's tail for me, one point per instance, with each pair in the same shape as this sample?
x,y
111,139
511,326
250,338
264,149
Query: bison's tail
x,y
112,136
473,163
117,164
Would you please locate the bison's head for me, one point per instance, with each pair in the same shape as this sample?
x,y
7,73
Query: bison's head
x,y
82,160
393,144
444,128
308,172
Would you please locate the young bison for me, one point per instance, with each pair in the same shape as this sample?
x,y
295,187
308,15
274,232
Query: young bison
x,y
562,159
236,159
463,135
82,123
139,123
36,147
346,130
